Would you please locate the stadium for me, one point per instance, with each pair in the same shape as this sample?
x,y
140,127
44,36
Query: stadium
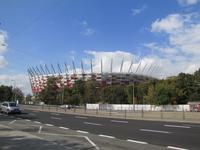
x,y
39,75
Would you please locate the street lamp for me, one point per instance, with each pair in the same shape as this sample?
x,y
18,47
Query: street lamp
x,y
14,95
133,97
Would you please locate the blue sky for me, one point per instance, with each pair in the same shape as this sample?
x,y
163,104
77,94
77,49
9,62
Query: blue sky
x,y
43,32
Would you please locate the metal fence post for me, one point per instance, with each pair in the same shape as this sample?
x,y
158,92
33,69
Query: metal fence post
x,y
96,111
142,113
183,114
110,112
85,109
161,113
74,109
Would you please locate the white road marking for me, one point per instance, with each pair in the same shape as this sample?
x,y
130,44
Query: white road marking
x,y
56,118
156,131
176,126
40,129
79,117
107,136
12,122
55,114
139,142
49,125
118,121
79,131
190,125
64,128
27,120
177,148
37,122
92,143
90,123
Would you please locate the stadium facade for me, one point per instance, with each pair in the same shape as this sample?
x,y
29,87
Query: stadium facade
x,y
39,75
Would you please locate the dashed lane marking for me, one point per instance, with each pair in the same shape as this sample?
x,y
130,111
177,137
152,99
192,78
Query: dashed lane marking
x,y
80,131
64,128
27,120
139,142
79,117
55,114
50,125
176,126
90,123
156,131
118,121
56,118
37,122
107,136
176,148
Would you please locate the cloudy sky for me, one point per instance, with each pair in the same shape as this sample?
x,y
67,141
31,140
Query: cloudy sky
x,y
158,33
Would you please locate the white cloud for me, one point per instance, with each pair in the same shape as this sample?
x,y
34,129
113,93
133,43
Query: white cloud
x,y
3,44
84,23
182,51
3,62
18,80
169,24
106,57
165,49
138,10
187,2
88,32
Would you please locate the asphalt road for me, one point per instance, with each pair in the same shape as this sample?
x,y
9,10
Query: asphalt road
x,y
167,134
23,132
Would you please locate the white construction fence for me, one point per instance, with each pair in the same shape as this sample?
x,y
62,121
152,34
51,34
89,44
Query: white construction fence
x,y
138,107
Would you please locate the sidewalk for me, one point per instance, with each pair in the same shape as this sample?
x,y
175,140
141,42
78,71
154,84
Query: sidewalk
x,y
187,117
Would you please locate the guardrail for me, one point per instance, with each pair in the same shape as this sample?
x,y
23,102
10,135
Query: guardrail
x,y
122,114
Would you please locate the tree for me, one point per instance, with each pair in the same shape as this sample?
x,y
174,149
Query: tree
x,y
92,92
120,95
5,93
28,98
49,94
18,95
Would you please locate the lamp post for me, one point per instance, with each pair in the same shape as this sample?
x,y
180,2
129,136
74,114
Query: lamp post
x,y
133,97
14,95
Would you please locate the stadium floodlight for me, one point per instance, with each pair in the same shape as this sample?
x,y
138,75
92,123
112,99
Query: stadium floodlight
x,y
38,70
35,71
101,67
121,66
59,69
149,68
74,67
66,68
138,67
30,72
82,67
111,63
42,69
91,66
54,72
130,66
47,69
143,69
